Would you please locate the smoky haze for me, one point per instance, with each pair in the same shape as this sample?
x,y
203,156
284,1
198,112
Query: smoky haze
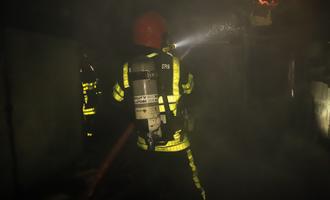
x,y
252,137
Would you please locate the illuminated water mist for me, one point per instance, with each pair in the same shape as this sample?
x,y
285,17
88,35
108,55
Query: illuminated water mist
x,y
213,30
204,36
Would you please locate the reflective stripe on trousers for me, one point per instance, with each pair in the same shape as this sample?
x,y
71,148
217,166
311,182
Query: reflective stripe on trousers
x,y
195,174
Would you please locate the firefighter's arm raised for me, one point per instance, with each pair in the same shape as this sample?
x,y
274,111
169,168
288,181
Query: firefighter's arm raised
x,y
187,85
187,80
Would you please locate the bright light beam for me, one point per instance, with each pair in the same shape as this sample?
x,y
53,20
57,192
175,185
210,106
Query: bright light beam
x,y
204,36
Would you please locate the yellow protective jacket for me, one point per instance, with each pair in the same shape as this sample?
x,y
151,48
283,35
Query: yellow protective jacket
x,y
175,87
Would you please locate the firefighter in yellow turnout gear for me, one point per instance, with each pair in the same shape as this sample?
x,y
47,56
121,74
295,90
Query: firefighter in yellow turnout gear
x,y
90,93
89,104
155,83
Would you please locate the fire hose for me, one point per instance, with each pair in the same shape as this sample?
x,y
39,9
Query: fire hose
x,y
106,164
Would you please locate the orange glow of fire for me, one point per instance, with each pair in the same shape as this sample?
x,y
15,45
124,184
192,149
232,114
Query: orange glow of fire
x,y
268,2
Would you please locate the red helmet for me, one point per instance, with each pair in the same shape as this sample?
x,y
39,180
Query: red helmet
x,y
149,30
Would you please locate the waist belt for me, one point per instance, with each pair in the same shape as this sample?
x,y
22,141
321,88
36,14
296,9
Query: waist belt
x,y
178,144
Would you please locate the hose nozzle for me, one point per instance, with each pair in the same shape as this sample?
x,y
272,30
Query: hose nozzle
x,y
168,48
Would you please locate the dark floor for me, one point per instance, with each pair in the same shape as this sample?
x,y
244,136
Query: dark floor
x,y
252,153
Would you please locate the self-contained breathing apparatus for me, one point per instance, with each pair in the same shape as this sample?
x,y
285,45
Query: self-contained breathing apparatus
x,y
156,127
143,75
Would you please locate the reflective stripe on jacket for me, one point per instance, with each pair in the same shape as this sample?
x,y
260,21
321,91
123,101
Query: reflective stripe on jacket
x,y
180,140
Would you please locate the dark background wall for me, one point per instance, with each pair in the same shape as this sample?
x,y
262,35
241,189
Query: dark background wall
x,y
45,101
7,179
